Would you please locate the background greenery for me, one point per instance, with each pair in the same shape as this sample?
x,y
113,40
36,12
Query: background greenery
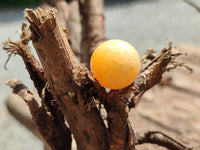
x,y
27,3
17,3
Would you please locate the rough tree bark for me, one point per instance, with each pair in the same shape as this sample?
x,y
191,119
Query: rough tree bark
x,y
65,79
71,99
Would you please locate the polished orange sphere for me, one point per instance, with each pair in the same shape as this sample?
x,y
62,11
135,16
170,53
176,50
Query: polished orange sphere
x,y
115,64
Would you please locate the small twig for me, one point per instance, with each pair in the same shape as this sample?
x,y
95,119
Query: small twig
x,y
161,139
191,3
7,60
12,49
175,65
155,58
148,55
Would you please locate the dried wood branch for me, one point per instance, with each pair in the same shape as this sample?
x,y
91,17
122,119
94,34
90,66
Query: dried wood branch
x,y
67,79
160,139
92,27
54,136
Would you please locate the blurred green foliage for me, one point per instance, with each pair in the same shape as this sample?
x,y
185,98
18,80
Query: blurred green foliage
x,y
17,3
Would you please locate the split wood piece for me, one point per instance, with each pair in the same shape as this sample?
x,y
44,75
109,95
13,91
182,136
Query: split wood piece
x,y
54,136
92,13
67,79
